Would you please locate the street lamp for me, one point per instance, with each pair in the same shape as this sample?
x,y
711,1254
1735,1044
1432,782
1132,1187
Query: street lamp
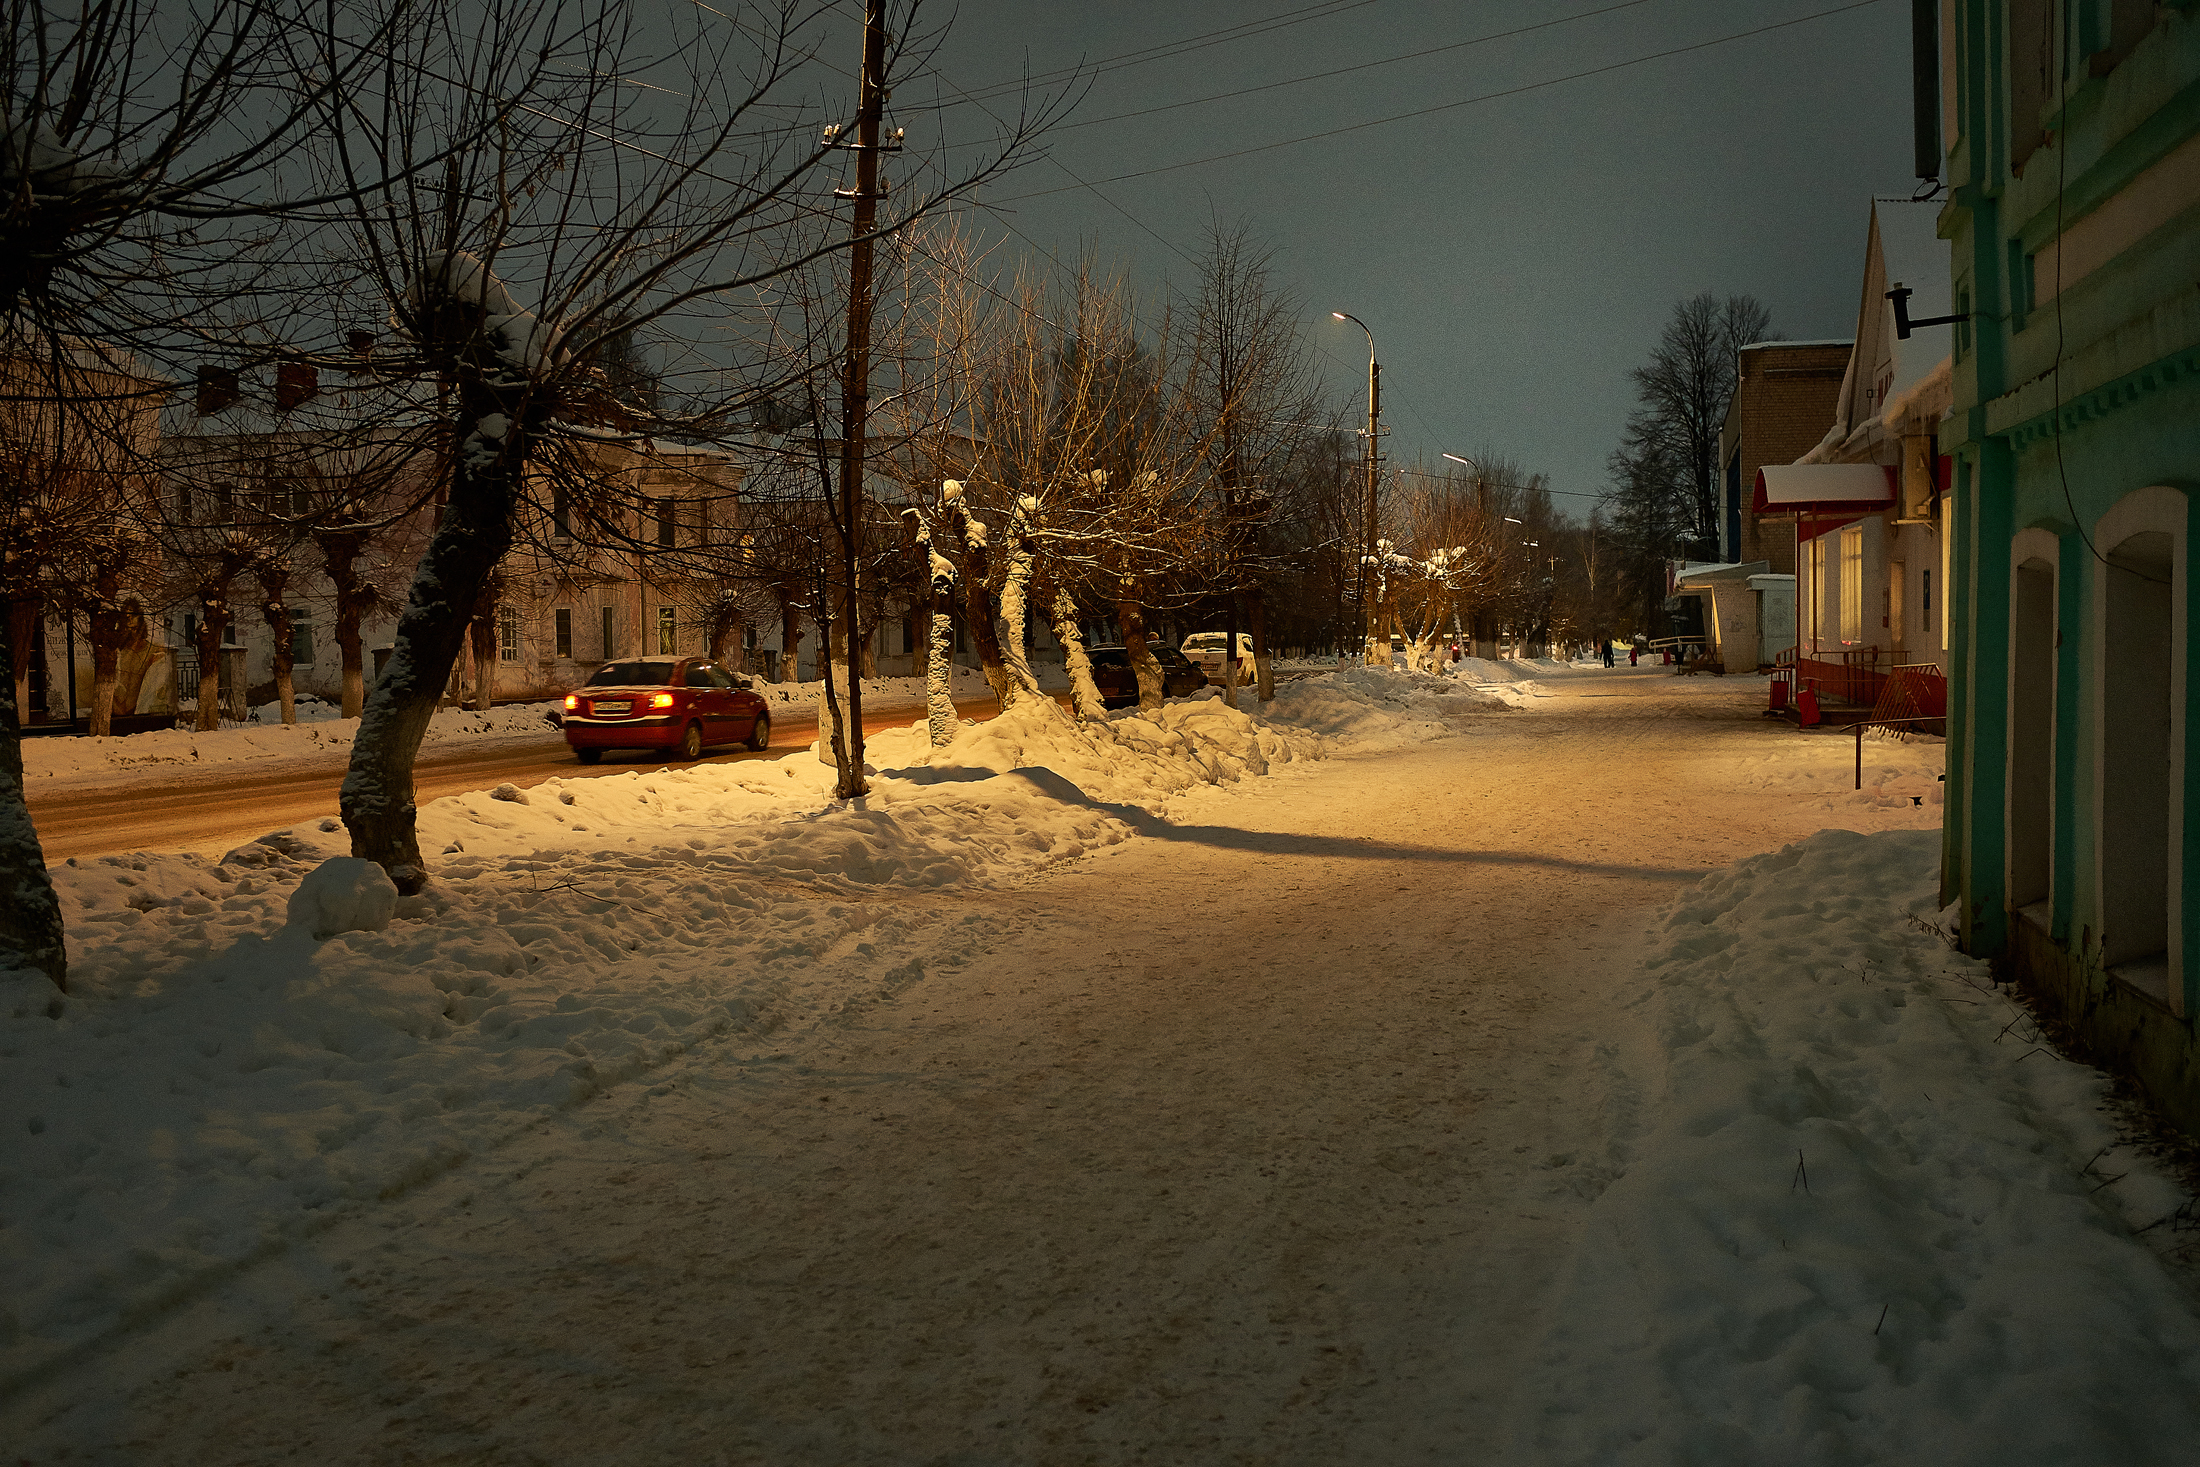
x,y
1374,429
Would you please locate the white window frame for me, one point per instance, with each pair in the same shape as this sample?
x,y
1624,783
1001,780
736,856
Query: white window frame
x,y
1852,585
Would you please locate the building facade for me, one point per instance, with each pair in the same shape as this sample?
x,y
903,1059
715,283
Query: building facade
x,y
2072,837
1784,394
1866,502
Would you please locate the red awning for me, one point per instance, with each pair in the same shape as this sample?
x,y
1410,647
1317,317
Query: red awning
x,y
1822,491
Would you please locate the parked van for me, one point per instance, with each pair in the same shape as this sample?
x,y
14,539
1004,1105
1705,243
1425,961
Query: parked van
x,y
1205,650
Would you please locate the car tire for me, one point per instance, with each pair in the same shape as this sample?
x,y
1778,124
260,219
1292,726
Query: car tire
x,y
691,744
760,733
589,756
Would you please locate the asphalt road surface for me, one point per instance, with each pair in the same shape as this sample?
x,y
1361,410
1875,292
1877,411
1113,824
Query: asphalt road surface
x,y
183,809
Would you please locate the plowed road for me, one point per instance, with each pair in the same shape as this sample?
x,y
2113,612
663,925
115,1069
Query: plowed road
x,y
176,809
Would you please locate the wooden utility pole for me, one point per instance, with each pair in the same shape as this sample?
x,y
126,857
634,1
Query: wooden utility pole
x,y
855,381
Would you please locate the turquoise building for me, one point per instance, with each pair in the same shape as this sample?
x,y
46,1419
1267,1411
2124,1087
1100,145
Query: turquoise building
x,y
2072,149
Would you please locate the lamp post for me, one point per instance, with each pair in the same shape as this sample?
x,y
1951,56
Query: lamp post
x,y
1374,428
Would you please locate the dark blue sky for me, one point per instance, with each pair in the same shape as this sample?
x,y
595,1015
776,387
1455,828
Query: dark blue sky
x,y
1514,256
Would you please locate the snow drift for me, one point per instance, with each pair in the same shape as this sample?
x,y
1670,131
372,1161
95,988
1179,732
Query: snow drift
x,y
1853,1213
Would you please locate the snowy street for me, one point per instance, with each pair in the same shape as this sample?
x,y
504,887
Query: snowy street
x,y
1266,1136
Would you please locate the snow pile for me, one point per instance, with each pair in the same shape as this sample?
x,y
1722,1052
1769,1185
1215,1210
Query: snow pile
x,y
1854,1214
1902,783
345,894
1378,707
254,1046
89,758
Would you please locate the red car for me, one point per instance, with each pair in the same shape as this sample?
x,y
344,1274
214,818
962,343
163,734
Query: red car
x,y
680,705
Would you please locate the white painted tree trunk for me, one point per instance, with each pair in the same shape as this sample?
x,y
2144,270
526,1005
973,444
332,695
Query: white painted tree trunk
x,y
1019,685
941,721
1084,692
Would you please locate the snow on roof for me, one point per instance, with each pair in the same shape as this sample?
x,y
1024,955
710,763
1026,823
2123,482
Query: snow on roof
x,y
1915,256
1719,570
1826,341
1818,489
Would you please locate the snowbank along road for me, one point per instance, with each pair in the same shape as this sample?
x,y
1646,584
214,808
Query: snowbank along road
x,y
1262,1137
179,807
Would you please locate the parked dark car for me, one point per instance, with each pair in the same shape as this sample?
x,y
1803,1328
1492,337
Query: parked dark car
x,y
682,705
1118,680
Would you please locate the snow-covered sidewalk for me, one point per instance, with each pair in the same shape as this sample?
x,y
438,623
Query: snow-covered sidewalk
x,y
219,1081
1854,1208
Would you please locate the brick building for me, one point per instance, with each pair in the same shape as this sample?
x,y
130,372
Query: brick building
x,y
1784,395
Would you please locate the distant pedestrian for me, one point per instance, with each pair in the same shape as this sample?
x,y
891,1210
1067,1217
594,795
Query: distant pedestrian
x,y
1634,654
1607,651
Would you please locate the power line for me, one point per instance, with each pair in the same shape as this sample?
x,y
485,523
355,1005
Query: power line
x,y
1243,31
1463,102
1348,70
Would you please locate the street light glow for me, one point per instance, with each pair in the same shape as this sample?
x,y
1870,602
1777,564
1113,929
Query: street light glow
x,y
1339,315
1455,458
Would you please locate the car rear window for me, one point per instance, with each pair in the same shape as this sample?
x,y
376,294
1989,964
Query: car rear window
x,y
1209,643
1110,657
631,675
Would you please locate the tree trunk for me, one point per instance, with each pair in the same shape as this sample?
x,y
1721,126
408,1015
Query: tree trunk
x,y
726,634
1083,691
481,632
1152,687
286,691
214,616
1014,620
106,673
790,639
30,911
941,720
832,673
108,629
1264,675
340,559
22,627
985,636
1231,674
276,614
475,532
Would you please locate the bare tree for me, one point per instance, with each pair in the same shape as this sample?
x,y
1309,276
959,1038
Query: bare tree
x,y
616,213
1666,468
1249,398
144,150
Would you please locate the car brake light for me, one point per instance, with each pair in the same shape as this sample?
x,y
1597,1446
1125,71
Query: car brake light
x,y
571,702
660,700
